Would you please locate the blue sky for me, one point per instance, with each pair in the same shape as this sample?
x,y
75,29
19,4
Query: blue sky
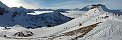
x,y
111,4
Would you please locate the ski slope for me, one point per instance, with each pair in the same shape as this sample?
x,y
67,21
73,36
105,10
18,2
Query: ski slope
x,y
108,30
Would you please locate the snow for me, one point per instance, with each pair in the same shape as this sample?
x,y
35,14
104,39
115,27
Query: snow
x,y
108,29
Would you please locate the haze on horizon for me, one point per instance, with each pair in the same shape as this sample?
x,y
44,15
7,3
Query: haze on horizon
x,y
111,4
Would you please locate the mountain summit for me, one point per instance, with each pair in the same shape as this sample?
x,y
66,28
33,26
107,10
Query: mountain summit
x,y
88,7
3,5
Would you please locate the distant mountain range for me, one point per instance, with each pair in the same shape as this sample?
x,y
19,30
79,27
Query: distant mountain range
x,y
13,16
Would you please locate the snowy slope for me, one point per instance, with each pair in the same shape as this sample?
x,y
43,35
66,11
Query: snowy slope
x,y
109,30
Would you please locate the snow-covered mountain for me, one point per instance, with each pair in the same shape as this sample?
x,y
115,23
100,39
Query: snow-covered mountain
x,y
45,19
15,15
88,7
95,24
3,8
3,5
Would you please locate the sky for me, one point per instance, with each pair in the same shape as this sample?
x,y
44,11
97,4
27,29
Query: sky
x,y
111,4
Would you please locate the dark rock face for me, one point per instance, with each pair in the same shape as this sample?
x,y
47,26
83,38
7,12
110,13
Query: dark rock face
x,y
3,5
3,8
24,34
86,8
2,11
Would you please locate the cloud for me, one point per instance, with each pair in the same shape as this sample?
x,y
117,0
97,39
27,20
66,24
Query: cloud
x,y
75,3
112,4
29,4
44,3
11,3
68,4
18,3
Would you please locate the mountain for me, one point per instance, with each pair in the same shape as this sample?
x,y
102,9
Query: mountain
x,y
95,24
88,7
45,19
3,5
18,16
3,8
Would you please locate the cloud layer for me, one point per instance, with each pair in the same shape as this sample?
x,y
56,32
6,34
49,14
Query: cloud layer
x,y
112,4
